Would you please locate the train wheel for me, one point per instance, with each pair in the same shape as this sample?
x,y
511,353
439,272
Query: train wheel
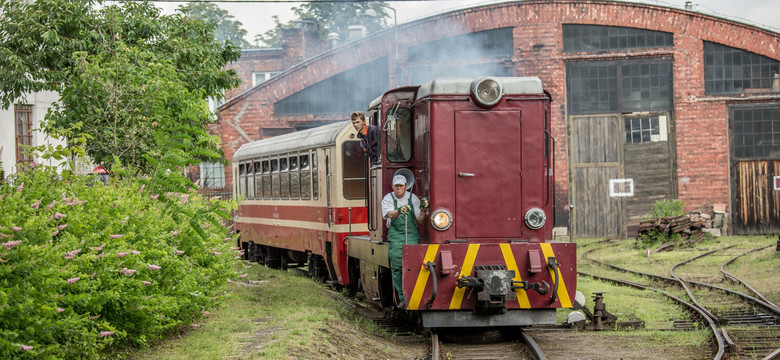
x,y
353,269
273,259
249,254
317,268
386,290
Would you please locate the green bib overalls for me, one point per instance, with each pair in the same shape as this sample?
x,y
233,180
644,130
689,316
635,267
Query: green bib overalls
x,y
403,230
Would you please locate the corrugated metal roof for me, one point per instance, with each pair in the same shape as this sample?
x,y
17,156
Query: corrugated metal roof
x,y
299,140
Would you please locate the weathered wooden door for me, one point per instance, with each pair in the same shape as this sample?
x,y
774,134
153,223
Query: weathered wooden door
x,y
755,161
595,153
756,203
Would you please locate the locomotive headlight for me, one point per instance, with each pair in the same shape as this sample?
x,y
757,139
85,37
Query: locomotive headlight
x,y
535,218
486,91
441,219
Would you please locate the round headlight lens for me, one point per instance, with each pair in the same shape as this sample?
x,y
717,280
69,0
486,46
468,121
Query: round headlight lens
x,y
441,219
486,91
535,218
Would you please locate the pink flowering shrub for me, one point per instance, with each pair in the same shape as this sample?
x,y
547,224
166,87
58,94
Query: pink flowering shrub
x,y
63,299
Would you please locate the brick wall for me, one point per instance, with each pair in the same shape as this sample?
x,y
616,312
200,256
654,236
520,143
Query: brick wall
x,y
699,122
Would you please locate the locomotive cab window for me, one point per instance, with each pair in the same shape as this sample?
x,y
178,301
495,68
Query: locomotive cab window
x,y
398,134
354,170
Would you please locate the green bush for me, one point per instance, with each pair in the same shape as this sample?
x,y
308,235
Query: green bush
x,y
662,209
85,267
667,208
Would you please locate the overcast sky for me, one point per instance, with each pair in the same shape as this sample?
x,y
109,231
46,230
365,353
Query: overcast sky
x,y
256,17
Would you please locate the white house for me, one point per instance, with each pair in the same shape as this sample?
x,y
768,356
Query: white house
x,y
20,125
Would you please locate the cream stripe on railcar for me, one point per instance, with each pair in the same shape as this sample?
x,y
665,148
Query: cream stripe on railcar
x,y
312,225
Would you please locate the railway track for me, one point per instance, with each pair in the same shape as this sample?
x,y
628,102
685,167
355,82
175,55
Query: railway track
x,y
483,344
451,343
743,326
459,343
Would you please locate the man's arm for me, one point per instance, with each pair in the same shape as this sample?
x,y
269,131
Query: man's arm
x,y
388,212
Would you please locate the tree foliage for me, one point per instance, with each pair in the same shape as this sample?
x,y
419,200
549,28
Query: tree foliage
x,y
333,17
227,29
133,82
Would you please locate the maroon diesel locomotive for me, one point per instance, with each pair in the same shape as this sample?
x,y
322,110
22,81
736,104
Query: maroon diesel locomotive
x,y
480,152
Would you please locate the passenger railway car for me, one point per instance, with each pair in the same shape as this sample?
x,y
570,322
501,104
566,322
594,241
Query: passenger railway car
x,y
479,149
303,193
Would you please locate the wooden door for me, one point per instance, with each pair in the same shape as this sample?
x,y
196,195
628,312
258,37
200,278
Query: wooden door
x,y
595,154
755,162
756,204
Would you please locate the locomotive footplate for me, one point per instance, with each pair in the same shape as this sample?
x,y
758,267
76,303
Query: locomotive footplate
x,y
489,278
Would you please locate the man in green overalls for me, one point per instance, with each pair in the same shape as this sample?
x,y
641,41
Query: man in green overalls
x,y
398,207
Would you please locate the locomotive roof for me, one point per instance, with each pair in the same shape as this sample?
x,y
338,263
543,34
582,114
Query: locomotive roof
x,y
462,86
299,140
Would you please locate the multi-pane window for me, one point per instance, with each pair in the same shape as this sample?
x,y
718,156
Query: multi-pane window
x,y
23,115
305,177
258,179
354,170
295,178
756,132
341,93
212,175
646,86
284,176
250,181
276,187
260,77
242,179
592,89
728,70
266,169
643,129
591,38
619,87
315,189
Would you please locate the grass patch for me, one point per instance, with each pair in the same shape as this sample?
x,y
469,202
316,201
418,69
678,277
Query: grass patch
x,y
656,310
758,268
263,321
281,316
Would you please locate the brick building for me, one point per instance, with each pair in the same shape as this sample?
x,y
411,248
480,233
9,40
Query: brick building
x,y
650,102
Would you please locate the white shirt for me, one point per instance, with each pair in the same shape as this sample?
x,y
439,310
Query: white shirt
x,y
387,204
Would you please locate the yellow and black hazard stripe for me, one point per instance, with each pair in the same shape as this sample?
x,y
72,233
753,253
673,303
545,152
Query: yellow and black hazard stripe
x,y
468,265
